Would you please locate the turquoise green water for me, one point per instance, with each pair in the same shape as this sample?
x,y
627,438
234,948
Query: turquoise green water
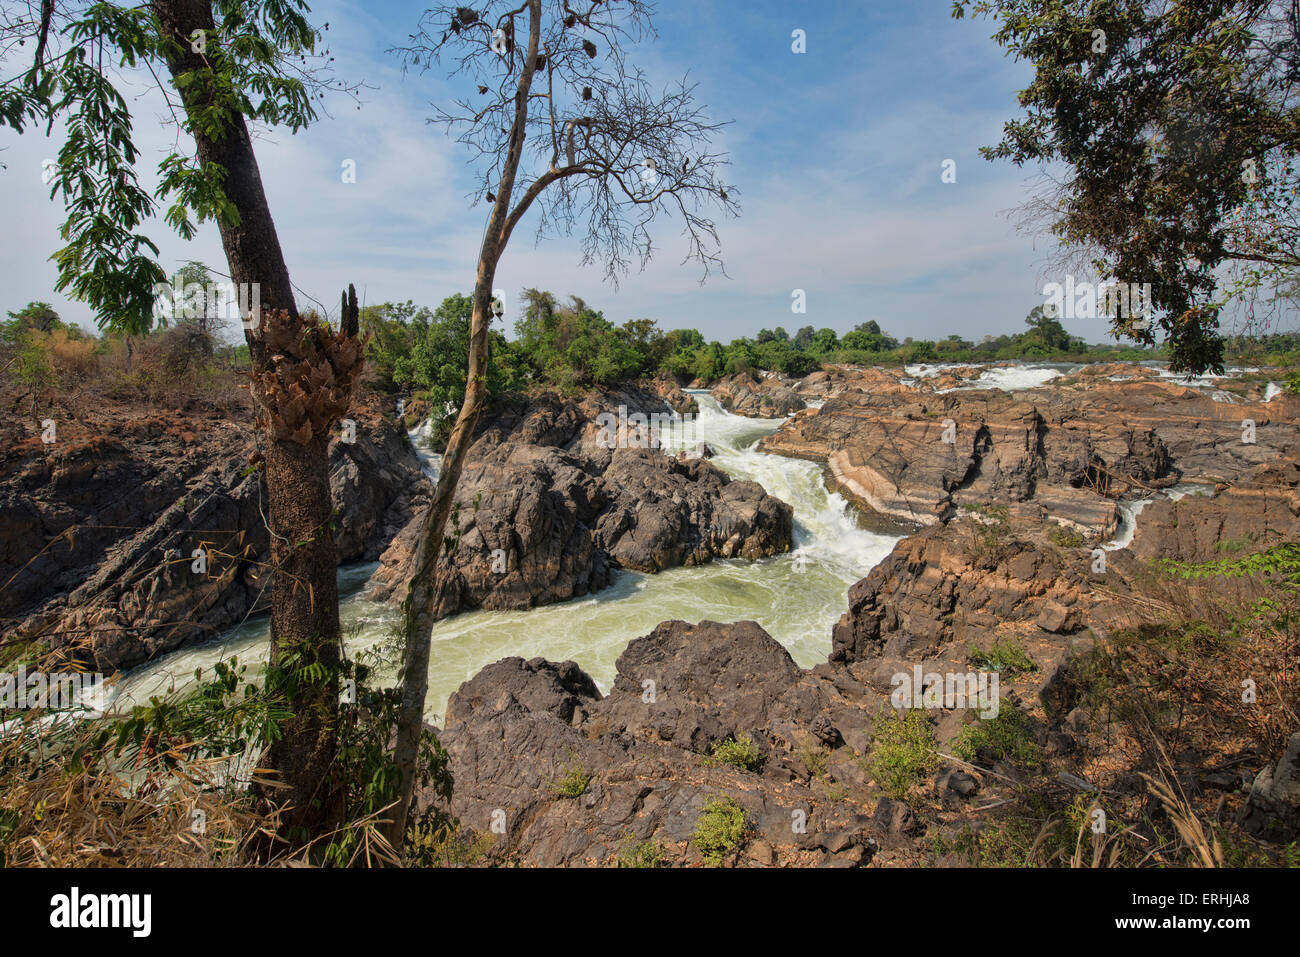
x,y
797,597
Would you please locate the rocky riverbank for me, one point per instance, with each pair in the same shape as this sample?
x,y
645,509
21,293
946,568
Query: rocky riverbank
x,y
712,725
545,510
1067,452
99,530
573,777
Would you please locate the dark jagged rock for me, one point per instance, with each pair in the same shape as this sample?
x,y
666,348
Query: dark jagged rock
x,y
99,543
517,728
544,512
1272,810
765,397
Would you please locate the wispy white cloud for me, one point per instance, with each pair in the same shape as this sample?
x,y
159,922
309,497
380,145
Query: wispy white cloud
x,y
836,153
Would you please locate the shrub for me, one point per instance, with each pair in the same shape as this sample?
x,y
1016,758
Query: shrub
x,y
640,854
1008,659
720,828
573,782
902,751
1008,736
1065,537
739,752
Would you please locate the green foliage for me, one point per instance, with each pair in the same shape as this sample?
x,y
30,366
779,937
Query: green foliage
x,y
1008,736
427,352
1006,658
35,315
813,756
447,845
739,752
635,853
993,534
721,827
365,770
574,347
1162,117
218,717
1065,537
572,783
868,337
1282,561
902,751
252,67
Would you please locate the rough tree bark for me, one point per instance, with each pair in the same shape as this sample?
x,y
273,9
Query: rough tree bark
x,y
304,590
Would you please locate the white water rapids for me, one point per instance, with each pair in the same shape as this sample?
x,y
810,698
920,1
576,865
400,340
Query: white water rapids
x,y
797,597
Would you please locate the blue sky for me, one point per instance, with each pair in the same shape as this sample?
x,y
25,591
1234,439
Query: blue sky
x,y
837,153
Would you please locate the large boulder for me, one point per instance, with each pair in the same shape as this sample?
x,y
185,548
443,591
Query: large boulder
x,y
556,775
758,397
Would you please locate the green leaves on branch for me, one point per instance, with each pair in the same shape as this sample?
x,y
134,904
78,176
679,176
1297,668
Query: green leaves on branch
x,y
252,67
105,263
197,189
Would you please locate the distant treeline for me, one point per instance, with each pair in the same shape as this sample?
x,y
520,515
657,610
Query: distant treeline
x,y
573,346
422,352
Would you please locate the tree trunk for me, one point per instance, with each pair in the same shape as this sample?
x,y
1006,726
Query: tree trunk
x,y
422,590
304,591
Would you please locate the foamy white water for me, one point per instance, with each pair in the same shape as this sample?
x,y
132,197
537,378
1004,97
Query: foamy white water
x,y
1130,510
797,597
1007,378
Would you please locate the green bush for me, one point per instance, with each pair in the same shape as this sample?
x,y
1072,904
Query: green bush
x,y
740,752
1009,736
902,751
1065,537
640,854
1007,659
572,783
721,826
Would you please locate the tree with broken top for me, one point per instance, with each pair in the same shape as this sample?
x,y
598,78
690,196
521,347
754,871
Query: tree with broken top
x,y
231,63
557,123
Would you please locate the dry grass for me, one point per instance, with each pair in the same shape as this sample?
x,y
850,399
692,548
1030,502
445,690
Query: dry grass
x,y
63,805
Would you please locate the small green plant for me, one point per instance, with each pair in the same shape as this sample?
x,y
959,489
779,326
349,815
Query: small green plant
x,y
993,536
572,783
739,752
902,751
814,758
1231,546
1282,561
1065,537
834,790
1008,735
1006,658
720,828
635,853
444,845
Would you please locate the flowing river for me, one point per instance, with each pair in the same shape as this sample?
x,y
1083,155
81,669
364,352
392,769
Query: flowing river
x,y
797,597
